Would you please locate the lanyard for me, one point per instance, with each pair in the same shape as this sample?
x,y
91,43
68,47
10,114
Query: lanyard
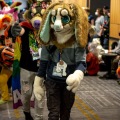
x,y
59,55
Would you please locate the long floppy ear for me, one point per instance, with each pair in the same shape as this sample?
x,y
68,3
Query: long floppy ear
x,y
15,4
44,32
81,25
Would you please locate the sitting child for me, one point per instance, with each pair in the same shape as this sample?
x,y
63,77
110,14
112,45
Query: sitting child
x,y
92,60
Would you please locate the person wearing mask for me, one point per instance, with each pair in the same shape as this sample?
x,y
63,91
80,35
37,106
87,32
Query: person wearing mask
x,y
99,23
90,16
92,60
106,27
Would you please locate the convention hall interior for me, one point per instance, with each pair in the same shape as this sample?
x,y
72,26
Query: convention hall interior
x,y
59,59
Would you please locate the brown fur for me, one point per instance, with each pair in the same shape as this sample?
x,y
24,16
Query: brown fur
x,y
79,20
32,1
25,15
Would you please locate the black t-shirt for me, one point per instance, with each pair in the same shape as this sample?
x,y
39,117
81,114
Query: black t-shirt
x,y
90,17
26,60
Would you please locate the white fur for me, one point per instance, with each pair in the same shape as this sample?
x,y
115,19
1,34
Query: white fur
x,y
64,12
22,31
53,12
73,80
38,88
99,48
39,51
65,34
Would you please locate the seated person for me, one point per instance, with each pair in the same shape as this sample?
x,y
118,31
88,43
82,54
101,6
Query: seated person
x,y
116,47
92,60
114,64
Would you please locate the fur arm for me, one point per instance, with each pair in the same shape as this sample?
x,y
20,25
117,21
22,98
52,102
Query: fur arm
x,y
38,88
73,80
17,30
22,32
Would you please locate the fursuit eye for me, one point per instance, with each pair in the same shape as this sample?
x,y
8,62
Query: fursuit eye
x,y
53,18
65,19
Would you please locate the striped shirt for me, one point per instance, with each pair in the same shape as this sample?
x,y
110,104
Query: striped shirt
x,y
74,56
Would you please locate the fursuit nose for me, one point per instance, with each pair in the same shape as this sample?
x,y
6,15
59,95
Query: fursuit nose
x,y
37,24
58,25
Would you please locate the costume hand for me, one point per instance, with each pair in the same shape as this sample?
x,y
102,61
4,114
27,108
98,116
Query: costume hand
x,y
16,29
39,88
73,80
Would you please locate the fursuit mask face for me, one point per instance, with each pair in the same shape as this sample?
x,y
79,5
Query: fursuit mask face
x,y
62,24
35,12
5,21
8,15
63,21
10,8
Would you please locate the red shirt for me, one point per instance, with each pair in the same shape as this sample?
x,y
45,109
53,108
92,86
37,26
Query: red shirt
x,y
93,64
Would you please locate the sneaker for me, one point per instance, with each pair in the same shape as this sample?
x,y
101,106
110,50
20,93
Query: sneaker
x,y
104,76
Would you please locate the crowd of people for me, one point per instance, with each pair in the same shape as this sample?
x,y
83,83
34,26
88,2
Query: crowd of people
x,y
100,24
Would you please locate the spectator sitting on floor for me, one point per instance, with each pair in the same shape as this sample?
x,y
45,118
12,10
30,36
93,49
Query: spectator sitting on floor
x,y
92,59
114,64
99,48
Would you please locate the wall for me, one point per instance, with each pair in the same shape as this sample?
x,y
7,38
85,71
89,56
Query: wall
x,y
115,19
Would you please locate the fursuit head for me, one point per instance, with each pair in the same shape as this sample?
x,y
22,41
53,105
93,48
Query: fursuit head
x,y
63,24
35,12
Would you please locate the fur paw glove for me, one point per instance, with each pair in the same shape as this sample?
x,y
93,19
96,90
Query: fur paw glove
x,y
39,88
73,80
17,30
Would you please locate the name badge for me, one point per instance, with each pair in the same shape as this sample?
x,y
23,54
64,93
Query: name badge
x,y
60,69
